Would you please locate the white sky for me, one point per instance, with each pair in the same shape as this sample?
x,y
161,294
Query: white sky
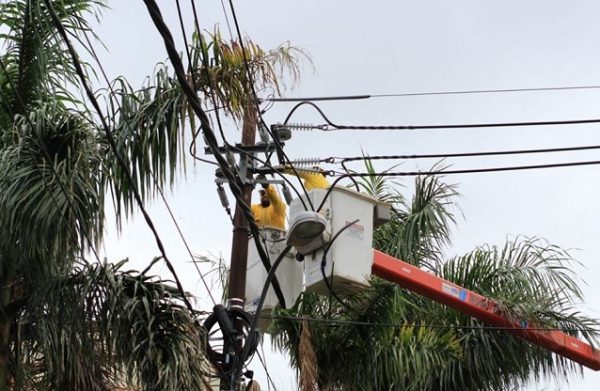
x,y
410,46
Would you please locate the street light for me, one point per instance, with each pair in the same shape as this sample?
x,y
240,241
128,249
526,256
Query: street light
x,y
305,231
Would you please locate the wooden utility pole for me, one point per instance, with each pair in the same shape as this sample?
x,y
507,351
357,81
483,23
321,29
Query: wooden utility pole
x,y
239,242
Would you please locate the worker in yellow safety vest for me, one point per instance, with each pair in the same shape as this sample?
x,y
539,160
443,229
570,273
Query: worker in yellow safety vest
x,y
313,179
270,212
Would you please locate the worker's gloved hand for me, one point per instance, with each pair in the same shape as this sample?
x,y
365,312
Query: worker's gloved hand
x,y
262,178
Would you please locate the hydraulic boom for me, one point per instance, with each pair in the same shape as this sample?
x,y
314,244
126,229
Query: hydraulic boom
x,y
482,308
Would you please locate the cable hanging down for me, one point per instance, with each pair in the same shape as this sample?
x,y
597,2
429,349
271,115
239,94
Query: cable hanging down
x,y
112,143
283,158
233,181
154,179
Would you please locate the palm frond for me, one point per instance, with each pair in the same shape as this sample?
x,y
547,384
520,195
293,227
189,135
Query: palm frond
x,y
225,78
149,131
50,198
35,52
370,354
101,324
532,280
420,229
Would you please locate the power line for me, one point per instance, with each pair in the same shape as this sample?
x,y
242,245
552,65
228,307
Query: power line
x,y
264,365
462,154
114,148
232,180
442,126
465,171
226,19
352,175
429,326
156,183
407,94
205,64
255,95
254,228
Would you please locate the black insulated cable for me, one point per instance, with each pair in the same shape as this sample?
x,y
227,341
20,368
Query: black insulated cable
x,y
335,126
233,181
113,146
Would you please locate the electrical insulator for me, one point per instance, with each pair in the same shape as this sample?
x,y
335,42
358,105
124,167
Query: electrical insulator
x,y
230,158
287,194
306,162
223,196
300,126
282,132
305,126
264,135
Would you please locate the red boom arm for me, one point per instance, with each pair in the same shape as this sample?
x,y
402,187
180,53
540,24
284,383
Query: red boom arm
x,y
482,308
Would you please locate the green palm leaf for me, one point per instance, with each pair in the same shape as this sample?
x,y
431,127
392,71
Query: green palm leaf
x,y
102,325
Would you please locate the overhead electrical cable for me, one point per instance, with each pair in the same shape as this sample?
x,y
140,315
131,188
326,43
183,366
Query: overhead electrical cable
x,y
226,19
462,154
264,365
473,170
256,102
433,93
204,63
324,263
147,164
350,175
211,81
261,301
112,143
253,226
335,126
427,326
211,140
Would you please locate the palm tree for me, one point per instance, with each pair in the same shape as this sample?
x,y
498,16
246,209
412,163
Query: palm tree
x,y
67,323
389,338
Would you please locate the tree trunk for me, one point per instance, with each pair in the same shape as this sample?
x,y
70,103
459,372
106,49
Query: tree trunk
x,y
5,320
4,342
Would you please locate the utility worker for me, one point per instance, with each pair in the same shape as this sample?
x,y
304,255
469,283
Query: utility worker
x,y
270,212
313,179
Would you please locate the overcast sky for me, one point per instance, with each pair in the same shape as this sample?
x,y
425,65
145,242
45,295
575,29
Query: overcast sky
x,y
386,47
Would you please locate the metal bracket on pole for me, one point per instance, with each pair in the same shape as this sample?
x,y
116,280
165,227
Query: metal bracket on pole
x,y
258,148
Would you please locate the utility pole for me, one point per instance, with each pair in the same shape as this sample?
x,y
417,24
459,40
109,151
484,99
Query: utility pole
x,y
239,242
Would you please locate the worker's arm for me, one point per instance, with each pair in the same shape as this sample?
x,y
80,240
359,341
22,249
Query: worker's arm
x,y
278,205
312,180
